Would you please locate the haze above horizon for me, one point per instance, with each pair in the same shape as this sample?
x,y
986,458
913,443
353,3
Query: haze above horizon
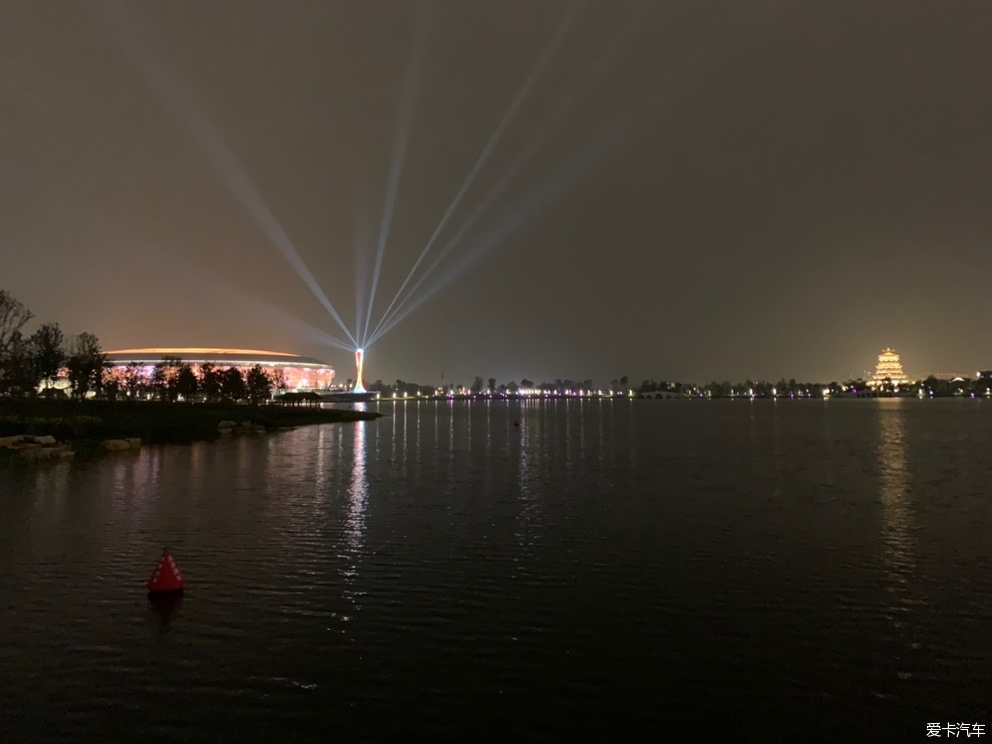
x,y
673,191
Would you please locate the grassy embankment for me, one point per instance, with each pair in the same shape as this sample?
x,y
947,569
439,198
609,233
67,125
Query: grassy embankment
x,y
84,424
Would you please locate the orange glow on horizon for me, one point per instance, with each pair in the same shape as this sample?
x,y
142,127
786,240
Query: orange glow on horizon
x,y
179,352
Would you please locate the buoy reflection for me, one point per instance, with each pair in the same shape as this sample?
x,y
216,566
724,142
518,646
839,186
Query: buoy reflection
x,y
166,606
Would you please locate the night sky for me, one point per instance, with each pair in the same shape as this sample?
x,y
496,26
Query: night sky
x,y
735,190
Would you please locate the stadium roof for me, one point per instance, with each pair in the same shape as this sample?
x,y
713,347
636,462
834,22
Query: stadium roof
x,y
195,355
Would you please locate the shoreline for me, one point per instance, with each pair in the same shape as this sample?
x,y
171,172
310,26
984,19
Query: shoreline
x,y
482,398
88,426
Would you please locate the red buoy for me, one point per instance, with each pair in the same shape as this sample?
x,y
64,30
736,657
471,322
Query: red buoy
x,y
517,424
166,577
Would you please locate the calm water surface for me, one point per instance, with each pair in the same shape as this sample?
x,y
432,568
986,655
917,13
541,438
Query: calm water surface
x,y
631,570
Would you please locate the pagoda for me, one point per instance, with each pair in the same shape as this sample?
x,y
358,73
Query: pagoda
x,y
889,369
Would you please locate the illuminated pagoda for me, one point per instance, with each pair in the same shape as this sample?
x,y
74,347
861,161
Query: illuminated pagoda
x,y
889,370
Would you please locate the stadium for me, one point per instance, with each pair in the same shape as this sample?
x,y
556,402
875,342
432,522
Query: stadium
x,y
300,373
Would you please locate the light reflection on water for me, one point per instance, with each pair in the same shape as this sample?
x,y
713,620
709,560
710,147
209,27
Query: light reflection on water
x,y
438,573
899,550
528,532
358,493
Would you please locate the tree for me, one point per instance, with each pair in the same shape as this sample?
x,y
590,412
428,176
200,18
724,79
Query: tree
x,y
477,385
47,352
13,317
170,371
133,384
713,390
512,388
623,382
111,385
85,364
232,384
526,384
186,385
259,385
492,385
18,372
211,380
160,381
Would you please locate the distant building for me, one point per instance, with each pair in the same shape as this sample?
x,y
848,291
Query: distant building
x,y
300,373
889,369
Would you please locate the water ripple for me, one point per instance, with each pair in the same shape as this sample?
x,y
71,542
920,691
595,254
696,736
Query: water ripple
x,y
623,570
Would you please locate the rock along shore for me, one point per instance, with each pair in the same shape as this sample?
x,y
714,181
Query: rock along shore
x,y
35,429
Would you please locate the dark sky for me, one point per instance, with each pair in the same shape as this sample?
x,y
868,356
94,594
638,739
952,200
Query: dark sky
x,y
744,190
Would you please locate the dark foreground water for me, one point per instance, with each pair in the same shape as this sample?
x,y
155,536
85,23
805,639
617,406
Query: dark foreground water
x,y
646,570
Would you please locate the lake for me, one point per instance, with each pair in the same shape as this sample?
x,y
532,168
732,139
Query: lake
x,y
528,571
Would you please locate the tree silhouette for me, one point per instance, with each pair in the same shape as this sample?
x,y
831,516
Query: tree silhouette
x,y
171,366
258,384
13,317
186,385
159,382
85,365
233,384
133,382
278,378
18,371
47,351
211,380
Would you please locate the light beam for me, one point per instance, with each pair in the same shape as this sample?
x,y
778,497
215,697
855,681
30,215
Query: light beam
x,y
166,85
212,285
612,135
617,43
523,214
362,240
403,123
494,139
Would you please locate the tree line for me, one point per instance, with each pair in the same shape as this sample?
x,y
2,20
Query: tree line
x,y
174,380
479,386
33,364
929,387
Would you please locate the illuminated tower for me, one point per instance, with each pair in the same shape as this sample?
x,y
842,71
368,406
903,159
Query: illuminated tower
x,y
359,359
889,369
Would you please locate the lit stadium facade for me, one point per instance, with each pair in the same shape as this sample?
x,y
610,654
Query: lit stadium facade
x,y
299,373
